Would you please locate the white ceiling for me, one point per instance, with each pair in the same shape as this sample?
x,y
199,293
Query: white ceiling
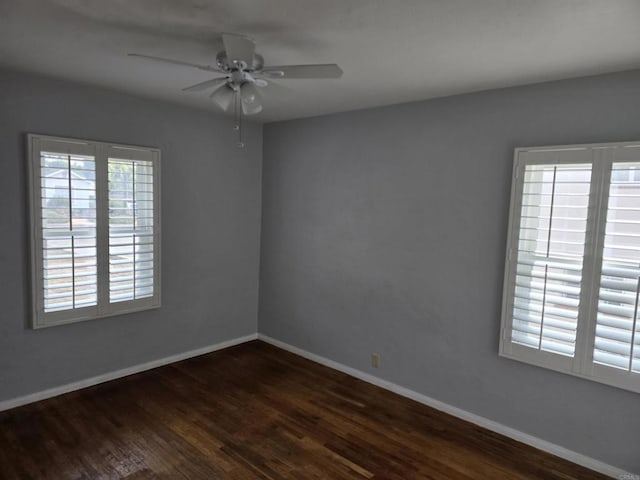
x,y
391,51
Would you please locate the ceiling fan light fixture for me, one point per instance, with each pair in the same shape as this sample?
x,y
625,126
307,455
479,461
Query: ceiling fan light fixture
x,y
251,109
249,93
222,96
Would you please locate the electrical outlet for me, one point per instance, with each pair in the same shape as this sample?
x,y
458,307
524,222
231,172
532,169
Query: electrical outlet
x,y
375,360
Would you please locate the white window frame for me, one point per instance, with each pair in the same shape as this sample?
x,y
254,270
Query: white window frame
x,y
601,156
101,152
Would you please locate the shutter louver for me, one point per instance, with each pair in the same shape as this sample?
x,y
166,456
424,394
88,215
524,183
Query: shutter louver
x,y
131,230
68,213
617,339
550,250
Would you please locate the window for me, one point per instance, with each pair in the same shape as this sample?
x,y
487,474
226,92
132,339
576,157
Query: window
x,y
95,229
572,274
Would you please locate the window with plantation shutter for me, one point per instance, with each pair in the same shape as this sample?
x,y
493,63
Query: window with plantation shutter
x,y
131,228
94,229
572,273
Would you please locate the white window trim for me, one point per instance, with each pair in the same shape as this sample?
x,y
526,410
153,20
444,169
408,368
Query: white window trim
x,y
100,151
581,365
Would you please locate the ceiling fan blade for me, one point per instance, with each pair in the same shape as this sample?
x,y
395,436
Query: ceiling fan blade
x,y
223,96
251,100
198,87
207,68
239,48
327,70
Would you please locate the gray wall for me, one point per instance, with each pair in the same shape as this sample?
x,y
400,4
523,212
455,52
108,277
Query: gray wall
x,y
384,231
210,233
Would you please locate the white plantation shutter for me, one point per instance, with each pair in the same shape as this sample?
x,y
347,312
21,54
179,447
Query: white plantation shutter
x,y
94,229
64,228
131,229
617,335
572,274
550,250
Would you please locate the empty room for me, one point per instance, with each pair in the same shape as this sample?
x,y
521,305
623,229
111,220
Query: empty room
x,y
321,239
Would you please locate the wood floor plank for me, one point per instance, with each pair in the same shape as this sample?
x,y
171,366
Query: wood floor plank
x,y
256,412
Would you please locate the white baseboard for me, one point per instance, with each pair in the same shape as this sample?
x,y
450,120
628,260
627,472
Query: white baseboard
x,y
522,437
70,387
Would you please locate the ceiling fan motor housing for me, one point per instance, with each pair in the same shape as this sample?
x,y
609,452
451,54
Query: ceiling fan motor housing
x,y
223,62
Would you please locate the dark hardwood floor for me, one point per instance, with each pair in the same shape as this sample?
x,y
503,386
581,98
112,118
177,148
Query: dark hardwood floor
x,y
255,411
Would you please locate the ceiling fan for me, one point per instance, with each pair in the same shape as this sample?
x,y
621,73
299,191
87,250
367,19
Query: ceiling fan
x,y
243,72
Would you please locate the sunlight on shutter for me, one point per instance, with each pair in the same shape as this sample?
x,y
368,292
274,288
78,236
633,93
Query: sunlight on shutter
x,y
131,229
617,342
550,253
68,212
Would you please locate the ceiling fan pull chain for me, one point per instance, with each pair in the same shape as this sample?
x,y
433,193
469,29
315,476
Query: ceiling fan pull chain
x,y
238,118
